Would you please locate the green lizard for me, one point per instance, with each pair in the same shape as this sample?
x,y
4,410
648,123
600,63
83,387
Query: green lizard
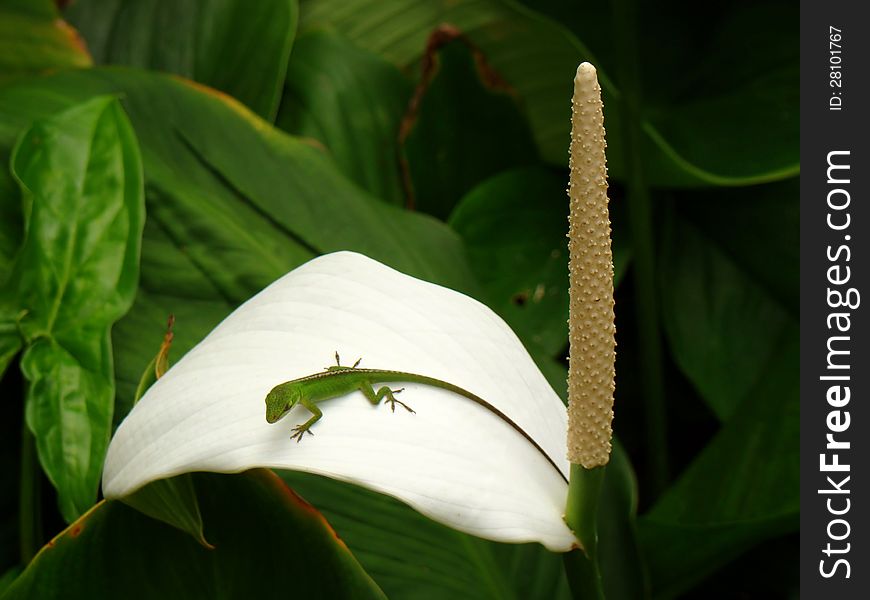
x,y
337,381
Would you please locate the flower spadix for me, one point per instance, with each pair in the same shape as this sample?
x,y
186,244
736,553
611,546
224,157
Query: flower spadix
x,y
591,329
452,460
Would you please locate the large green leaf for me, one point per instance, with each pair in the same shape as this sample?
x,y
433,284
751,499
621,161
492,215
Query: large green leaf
x,y
235,46
758,229
723,328
172,501
34,40
708,135
269,543
729,104
209,160
351,101
742,488
463,126
8,577
514,227
232,204
75,275
414,558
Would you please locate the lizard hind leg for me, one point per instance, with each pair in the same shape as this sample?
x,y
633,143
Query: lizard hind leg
x,y
337,366
389,395
384,392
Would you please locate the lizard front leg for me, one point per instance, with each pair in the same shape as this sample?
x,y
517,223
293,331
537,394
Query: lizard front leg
x,y
384,392
316,413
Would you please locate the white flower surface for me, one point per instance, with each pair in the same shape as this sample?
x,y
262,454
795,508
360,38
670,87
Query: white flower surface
x,y
452,460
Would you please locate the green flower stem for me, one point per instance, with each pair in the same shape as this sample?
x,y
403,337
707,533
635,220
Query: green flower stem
x,y
581,514
29,499
641,219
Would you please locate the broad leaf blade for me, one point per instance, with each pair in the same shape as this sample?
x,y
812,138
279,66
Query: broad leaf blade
x,y
724,329
758,229
114,551
238,47
514,227
8,577
351,101
414,558
463,125
232,205
684,145
280,194
34,40
729,498
75,275
174,502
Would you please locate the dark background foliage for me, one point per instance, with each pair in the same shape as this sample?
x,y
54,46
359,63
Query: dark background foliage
x,y
432,136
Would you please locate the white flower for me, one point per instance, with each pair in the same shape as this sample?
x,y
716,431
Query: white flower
x,y
452,460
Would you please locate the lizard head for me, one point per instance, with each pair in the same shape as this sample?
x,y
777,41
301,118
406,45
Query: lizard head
x,y
280,400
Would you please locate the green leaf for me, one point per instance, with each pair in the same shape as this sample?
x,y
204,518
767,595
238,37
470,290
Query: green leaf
x,y
114,551
239,47
34,40
463,125
134,335
279,195
699,137
723,328
757,228
743,488
351,101
730,106
739,82
8,578
514,226
414,558
233,204
75,275
172,501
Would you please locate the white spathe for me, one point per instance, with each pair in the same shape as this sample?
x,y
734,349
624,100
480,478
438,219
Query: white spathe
x,y
452,460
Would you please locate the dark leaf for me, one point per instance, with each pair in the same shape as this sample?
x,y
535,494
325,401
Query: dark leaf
x,y
235,46
724,328
712,136
351,101
742,489
514,226
114,551
414,558
463,126
233,204
33,39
